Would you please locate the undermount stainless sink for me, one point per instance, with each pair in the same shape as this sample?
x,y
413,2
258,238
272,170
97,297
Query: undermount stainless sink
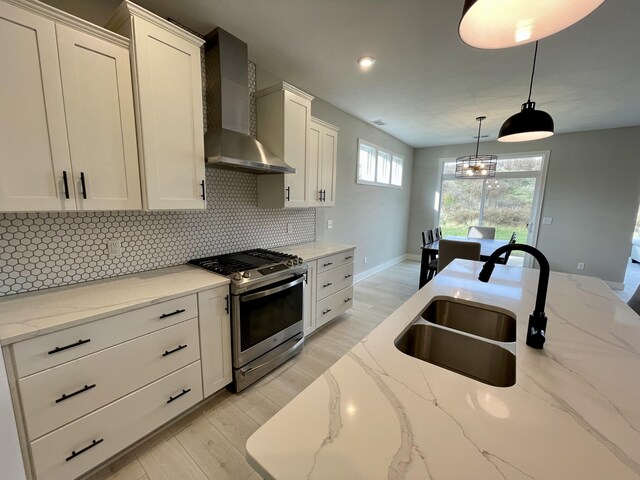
x,y
474,358
471,319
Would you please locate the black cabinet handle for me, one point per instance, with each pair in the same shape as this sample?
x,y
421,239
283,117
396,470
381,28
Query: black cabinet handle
x,y
203,195
165,315
226,308
348,275
78,392
327,264
348,257
61,349
327,285
184,392
324,312
319,195
288,197
347,299
84,185
65,182
74,454
324,195
177,349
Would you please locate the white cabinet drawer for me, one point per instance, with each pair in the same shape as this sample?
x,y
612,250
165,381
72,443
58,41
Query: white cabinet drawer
x,y
333,261
334,280
335,305
49,350
115,426
66,392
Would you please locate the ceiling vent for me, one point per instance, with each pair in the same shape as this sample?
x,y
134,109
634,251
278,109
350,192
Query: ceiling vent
x,y
379,122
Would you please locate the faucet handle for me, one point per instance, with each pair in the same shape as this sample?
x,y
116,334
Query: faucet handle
x,y
536,330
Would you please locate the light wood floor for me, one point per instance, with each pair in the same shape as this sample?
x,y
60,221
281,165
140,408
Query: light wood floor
x,y
209,443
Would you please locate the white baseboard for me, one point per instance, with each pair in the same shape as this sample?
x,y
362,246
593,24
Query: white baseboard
x,y
378,268
414,256
614,285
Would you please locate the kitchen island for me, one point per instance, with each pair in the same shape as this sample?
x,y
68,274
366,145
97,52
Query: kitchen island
x,y
573,413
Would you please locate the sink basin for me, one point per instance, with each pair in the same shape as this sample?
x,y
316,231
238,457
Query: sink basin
x,y
483,361
470,319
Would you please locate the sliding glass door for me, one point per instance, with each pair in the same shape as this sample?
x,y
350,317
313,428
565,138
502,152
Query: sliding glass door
x,y
510,202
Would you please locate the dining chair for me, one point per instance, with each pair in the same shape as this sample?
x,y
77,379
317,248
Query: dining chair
x,y
481,232
504,259
427,237
450,249
634,301
437,233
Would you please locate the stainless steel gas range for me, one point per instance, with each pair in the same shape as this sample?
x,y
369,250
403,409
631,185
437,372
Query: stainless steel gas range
x,y
266,309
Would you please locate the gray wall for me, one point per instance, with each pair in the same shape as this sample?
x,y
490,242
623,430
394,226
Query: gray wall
x,y
592,193
375,219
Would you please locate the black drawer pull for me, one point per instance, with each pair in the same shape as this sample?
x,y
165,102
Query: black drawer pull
x,y
327,285
348,275
177,349
68,396
324,312
184,392
288,197
74,454
349,257
347,299
61,349
226,308
165,315
203,194
327,264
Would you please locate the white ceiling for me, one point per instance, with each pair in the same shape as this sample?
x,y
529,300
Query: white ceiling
x,y
426,84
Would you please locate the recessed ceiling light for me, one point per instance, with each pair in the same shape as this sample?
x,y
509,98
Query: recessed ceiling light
x,y
366,61
379,122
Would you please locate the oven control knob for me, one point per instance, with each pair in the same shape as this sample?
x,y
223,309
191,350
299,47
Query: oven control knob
x,y
289,263
246,274
300,260
237,276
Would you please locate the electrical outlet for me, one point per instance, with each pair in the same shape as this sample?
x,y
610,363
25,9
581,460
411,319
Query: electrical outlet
x,y
289,228
364,260
114,248
547,220
329,224
580,266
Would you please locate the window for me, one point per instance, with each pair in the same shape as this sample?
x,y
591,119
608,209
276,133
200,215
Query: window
x,y
378,166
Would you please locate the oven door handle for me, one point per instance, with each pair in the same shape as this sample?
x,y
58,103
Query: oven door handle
x,y
271,291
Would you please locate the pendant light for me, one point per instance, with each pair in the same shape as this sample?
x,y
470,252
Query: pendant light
x,y
476,166
529,123
508,23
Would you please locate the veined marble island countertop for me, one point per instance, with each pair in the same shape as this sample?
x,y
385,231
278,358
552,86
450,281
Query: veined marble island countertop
x,y
574,412
28,315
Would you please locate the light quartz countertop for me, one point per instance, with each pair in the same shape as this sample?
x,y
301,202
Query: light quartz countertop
x,y
574,412
31,314
313,250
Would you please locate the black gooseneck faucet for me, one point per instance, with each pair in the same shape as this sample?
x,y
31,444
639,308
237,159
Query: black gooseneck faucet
x,y
537,320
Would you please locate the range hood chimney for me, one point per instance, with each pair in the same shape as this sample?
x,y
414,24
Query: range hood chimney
x,y
227,143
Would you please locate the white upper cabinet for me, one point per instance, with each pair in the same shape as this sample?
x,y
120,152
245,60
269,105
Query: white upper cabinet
x,y
67,114
323,151
96,79
34,152
168,98
284,116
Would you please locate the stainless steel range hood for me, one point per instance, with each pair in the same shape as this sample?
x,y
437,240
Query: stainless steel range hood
x,y
227,143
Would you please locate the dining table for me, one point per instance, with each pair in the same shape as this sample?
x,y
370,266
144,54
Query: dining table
x,y
430,250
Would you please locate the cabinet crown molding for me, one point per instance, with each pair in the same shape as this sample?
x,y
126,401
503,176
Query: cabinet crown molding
x,y
324,124
128,9
65,18
283,86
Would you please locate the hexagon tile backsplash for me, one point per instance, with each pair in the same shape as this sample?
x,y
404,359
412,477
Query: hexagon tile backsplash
x,y
42,250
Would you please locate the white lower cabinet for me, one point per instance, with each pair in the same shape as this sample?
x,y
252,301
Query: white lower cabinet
x,y
215,338
78,447
88,392
329,291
